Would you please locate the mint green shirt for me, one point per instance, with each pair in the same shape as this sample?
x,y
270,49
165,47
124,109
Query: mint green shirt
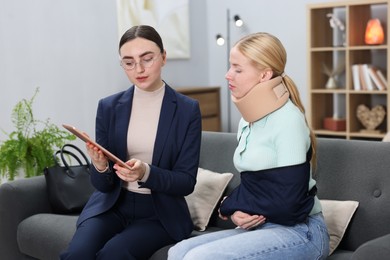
x,y
281,138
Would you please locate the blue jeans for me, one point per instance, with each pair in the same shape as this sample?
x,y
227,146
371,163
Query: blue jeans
x,y
308,240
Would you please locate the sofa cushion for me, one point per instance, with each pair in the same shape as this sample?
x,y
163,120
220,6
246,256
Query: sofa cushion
x,y
206,195
340,254
337,216
42,236
356,170
162,253
374,249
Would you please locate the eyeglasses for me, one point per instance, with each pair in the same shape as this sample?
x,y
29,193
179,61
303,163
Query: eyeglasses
x,y
146,62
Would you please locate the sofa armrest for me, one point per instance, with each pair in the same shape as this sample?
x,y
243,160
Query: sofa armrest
x,y
19,199
378,248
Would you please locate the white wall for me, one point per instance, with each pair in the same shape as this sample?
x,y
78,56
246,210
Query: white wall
x,y
68,48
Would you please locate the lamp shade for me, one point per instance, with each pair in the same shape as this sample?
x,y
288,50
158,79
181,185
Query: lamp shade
x,y
238,21
220,40
374,32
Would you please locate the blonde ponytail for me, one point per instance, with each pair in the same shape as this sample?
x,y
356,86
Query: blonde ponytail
x,y
295,98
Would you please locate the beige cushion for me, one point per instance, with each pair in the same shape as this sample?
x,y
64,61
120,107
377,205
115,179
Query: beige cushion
x,y
386,138
207,193
337,216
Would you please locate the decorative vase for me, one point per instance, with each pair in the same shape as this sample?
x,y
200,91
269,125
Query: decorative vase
x,y
331,83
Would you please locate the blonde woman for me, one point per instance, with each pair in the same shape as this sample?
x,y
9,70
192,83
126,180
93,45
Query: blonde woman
x,y
275,208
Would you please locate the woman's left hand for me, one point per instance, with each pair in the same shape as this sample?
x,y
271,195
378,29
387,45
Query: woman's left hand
x,y
135,173
247,221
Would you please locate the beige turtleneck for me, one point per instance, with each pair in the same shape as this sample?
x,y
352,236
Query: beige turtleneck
x,y
141,134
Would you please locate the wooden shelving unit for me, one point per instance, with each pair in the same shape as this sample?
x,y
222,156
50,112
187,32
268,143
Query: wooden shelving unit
x,y
331,47
209,103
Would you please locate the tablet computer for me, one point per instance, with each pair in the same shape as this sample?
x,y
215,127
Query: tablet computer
x,y
86,138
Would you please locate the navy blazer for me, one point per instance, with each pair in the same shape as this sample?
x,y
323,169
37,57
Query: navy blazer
x,y
175,158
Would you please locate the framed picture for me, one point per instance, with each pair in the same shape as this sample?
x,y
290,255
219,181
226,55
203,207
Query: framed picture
x,y
169,17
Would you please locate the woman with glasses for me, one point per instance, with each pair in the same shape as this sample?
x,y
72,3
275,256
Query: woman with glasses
x,y
156,131
275,207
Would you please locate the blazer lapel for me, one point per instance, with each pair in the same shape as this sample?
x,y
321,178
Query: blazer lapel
x,y
168,109
122,116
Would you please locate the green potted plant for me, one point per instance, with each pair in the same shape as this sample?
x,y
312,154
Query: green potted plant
x,y
30,147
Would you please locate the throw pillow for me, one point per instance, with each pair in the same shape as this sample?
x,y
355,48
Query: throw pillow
x,y
207,193
337,215
386,138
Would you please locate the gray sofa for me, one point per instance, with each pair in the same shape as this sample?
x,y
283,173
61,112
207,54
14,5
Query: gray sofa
x,y
346,170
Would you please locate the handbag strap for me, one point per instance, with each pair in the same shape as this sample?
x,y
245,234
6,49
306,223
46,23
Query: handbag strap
x,y
67,153
64,151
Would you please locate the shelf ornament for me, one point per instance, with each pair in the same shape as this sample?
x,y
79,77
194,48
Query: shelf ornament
x,y
336,24
374,32
332,74
370,118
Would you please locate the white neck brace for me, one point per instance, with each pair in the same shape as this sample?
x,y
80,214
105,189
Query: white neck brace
x,y
262,99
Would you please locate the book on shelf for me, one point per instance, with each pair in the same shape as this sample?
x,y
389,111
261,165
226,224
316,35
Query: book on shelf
x,y
382,77
362,77
355,77
378,82
368,77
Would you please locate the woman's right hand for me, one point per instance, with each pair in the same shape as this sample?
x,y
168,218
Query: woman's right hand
x,y
99,160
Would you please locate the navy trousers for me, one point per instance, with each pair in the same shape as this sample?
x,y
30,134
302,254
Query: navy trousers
x,y
131,230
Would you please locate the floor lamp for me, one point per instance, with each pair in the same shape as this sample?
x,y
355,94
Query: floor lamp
x,y
221,41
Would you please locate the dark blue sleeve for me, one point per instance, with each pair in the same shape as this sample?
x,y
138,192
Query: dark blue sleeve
x,y
279,194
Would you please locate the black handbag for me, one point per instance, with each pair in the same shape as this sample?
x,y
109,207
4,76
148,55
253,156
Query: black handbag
x,y
68,186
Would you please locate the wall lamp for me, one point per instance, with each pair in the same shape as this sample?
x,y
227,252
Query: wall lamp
x,y
221,41
238,21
